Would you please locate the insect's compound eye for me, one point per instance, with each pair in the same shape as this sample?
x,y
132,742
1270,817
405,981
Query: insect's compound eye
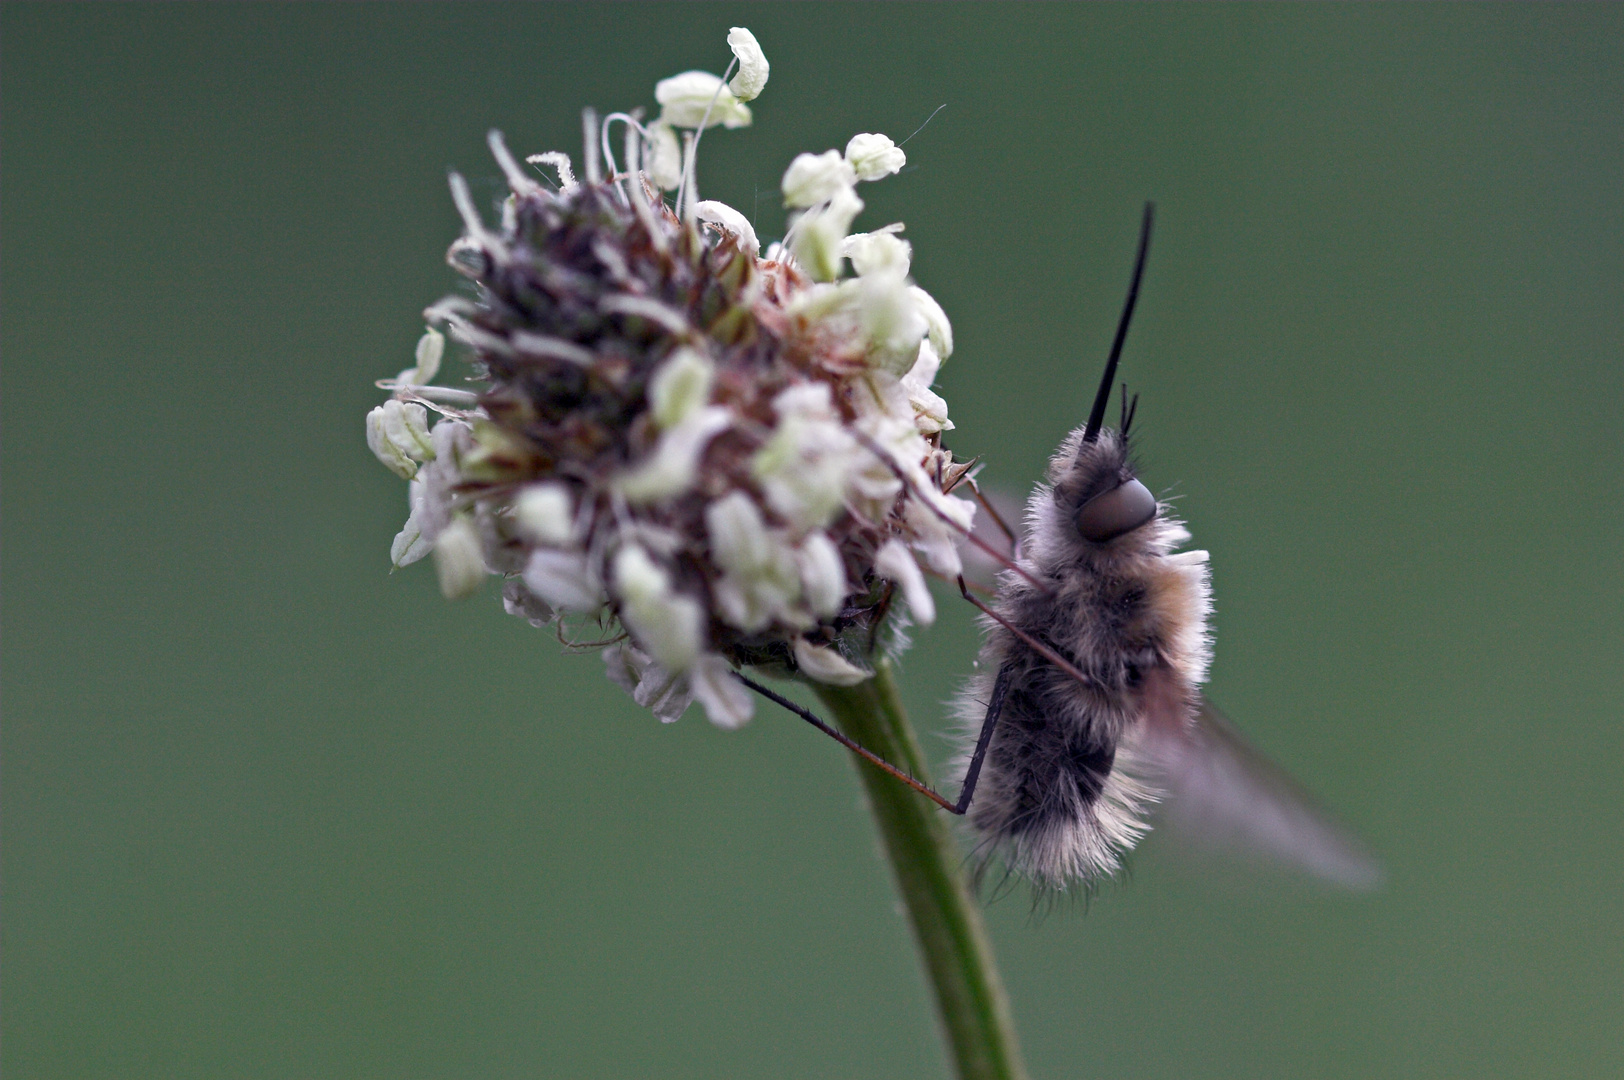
x,y
1110,514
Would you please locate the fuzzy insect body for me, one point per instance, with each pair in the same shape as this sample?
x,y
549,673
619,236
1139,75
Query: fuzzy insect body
x,y
1067,776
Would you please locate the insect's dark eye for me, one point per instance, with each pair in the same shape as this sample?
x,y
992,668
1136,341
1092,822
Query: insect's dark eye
x,y
1110,514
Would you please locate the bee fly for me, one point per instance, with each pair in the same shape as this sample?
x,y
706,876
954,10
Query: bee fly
x,y
1086,709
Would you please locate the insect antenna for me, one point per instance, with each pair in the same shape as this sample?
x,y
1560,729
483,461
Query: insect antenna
x,y
1130,409
1096,416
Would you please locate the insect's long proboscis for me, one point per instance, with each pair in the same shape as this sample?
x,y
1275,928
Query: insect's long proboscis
x,y
1102,397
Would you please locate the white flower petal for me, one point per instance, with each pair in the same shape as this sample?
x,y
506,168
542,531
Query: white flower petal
x,y
895,563
674,465
760,581
815,178
752,74
544,514
941,331
681,387
731,220
459,557
727,702
664,161
882,252
816,238
430,348
824,665
930,410
874,156
891,320
410,543
665,624
564,579
805,468
381,445
685,99
823,575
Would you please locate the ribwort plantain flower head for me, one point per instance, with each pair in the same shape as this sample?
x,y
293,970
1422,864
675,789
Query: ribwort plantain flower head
x,y
723,457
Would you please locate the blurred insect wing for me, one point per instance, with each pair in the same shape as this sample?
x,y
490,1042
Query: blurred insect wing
x,y
1223,797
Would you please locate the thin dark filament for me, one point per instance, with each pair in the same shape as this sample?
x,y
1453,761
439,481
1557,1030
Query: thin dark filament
x,y
921,127
839,737
997,519
581,645
1096,417
971,774
1130,409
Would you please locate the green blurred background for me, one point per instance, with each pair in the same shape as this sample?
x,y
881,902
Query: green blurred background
x,y
271,811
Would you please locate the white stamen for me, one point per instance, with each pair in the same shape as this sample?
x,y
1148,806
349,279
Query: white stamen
x,y
689,189
662,315
815,178
753,66
664,156
560,161
551,348
823,575
941,331
817,235
589,153
667,625
517,180
871,252
410,544
430,348
429,393
674,465
383,447
874,156
471,220
693,97
692,180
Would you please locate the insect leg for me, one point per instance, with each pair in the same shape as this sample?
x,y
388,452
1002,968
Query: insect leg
x,y
973,773
1033,643
869,755
998,520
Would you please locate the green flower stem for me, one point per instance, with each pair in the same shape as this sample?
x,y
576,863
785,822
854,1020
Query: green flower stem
x,y
946,920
